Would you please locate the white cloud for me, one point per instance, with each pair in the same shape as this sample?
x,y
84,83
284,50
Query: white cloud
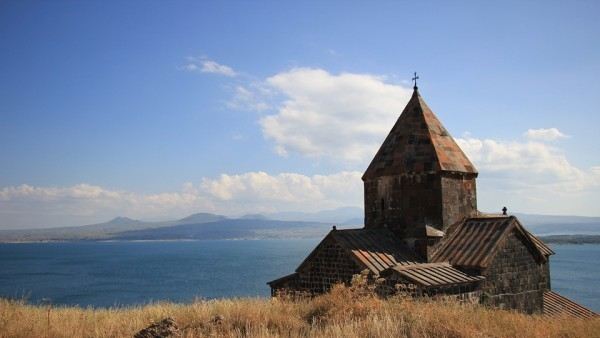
x,y
247,99
261,192
544,134
205,65
80,191
252,192
532,176
191,67
345,117
339,117
297,190
525,175
85,201
209,66
523,158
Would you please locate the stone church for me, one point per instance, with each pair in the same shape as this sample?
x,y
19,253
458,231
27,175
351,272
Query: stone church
x,y
423,231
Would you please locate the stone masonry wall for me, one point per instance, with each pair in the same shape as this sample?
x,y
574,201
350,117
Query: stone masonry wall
x,y
459,198
514,279
329,265
403,203
395,286
545,268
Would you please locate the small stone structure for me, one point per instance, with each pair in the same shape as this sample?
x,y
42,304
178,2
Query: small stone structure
x,y
423,234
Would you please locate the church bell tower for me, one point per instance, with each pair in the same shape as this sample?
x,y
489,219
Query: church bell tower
x,y
419,181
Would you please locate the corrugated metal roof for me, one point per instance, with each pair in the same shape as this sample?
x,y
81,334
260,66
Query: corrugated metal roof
x,y
557,305
433,274
418,142
543,247
472,242
374,249
475,241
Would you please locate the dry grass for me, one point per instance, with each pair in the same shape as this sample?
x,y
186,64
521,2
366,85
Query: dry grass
x,y
345,312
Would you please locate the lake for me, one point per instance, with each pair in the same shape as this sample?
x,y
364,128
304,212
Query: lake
x,y
102,274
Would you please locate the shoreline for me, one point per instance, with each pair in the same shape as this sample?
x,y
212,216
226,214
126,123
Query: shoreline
x,y
544,238
153,240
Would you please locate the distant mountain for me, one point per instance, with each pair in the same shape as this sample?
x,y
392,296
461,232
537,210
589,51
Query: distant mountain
x,y
196,226
201,217
230,229
98,231
91,231
254,216
538,224
355,221
334,216
560,225
535,219
123,221
571,239
275,225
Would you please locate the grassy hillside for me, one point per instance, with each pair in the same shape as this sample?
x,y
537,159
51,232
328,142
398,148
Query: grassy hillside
x,y
345,312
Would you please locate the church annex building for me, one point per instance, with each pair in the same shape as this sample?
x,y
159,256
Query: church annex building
x,y
423,231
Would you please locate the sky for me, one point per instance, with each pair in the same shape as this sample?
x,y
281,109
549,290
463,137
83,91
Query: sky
x,y
154,110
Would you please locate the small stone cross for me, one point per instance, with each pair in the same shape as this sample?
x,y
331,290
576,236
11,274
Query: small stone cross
x,y
415,78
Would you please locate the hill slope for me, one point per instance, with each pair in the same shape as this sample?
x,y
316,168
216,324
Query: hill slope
x,y
230,229
97,231
275,225
342,313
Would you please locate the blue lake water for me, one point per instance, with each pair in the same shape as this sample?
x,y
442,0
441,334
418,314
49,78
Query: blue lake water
x,y
102,274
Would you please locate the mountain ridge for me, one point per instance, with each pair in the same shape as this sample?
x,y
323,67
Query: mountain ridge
x,y
290,225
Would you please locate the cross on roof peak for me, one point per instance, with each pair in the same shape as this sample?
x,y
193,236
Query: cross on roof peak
x,y
415,78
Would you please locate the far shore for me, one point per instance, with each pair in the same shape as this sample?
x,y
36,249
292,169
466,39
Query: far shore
x,y
550,239
150,240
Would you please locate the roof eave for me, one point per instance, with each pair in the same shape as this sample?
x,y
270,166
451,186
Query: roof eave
x,y
282,279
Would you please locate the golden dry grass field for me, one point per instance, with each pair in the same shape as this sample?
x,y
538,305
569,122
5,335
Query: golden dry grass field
x,y
342,313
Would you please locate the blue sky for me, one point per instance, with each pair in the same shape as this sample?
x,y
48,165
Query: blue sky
x,y
157,109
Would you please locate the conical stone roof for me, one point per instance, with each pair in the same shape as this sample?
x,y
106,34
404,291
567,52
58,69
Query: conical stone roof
x,y
418,143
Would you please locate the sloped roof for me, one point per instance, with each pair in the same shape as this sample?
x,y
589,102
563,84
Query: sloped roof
x,y
557,305
283,279
543,247
433,275
475,241
373,249
418,142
